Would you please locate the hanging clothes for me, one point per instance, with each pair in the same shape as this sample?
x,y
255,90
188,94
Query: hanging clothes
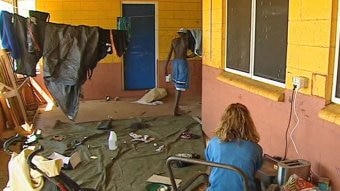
x,y
121,42
70,55
34,44
8,40
124,23
106,44
23,39
39,16
197,35
70,52
27,61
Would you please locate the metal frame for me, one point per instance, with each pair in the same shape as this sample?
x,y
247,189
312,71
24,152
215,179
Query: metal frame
x,y
206,163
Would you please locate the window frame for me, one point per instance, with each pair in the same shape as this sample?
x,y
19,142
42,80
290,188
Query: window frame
x,y
334,99
23,10
252,51
5,7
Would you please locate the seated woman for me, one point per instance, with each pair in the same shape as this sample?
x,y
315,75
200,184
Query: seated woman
x,y
235,143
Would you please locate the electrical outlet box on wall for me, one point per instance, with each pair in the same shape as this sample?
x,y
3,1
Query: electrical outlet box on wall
x,y
300,82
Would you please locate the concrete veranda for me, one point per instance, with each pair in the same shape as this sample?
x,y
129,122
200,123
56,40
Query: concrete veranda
x,y
97,110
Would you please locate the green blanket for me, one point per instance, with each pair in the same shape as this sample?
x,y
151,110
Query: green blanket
x,y
128,167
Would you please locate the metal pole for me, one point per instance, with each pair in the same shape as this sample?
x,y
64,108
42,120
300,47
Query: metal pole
x,y
206,163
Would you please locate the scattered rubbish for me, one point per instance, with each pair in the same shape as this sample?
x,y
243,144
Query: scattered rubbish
x,y
107,98
35,136
160,148
162,179
105,124
142,113
142,138
58,137
138,125
92,147
180,164
31,139
76,142
134,135
157,187
168,78
116,99
93,157
69,162
27,127
188,135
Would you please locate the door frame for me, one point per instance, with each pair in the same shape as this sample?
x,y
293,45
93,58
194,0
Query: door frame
x,y
156,36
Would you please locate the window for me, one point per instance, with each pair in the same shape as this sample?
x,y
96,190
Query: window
x,y
23,9
24,6
5,6
336,79
257,39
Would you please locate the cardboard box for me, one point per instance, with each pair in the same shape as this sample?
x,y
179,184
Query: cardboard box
x,y
69,162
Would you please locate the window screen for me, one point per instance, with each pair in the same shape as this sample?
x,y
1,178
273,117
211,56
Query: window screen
x,y
238,35
257,38
271,39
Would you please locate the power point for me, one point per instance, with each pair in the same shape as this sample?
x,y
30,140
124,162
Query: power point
x,y
300,82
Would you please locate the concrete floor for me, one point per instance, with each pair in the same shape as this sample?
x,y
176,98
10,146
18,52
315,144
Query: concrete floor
x,y
99,110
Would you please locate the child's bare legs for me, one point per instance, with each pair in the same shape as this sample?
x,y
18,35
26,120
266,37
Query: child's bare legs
x,y
178,96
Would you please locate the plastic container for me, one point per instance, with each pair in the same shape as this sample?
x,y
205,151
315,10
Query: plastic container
x,y
168,78
112,141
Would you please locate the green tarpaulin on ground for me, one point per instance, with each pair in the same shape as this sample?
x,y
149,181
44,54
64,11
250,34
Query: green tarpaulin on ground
x,y
128,167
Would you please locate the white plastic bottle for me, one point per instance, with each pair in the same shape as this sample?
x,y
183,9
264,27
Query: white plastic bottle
x,y
112,141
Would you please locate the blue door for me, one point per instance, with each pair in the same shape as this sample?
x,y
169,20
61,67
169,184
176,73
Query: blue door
x,y
139,60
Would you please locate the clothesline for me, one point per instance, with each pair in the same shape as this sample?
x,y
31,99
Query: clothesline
x,y
95,44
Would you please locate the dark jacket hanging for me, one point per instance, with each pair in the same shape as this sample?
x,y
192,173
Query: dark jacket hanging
x,y
70,53
27,61
121,41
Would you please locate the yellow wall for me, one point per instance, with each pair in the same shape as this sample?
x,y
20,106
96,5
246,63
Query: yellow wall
x,y
311,39
213,33
172,15
310,48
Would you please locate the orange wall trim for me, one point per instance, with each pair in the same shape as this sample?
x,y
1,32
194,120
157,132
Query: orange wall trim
x,y
107,80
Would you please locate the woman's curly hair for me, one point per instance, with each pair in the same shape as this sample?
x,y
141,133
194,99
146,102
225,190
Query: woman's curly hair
x,y
236,124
